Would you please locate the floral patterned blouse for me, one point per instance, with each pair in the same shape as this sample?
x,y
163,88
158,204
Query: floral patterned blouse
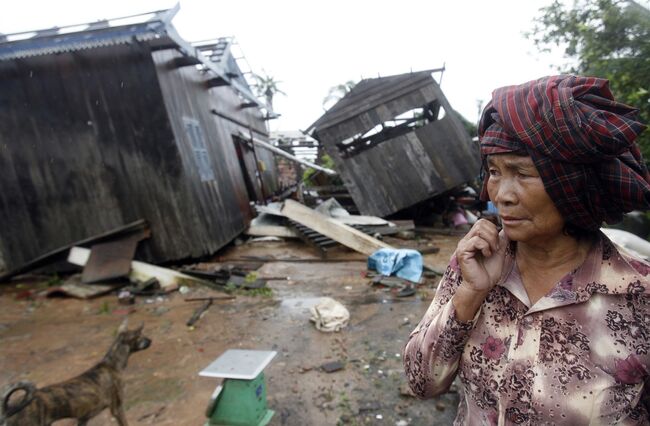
x,y
577,356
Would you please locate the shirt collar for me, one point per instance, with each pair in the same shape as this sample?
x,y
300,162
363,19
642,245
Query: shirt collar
x,y
607,269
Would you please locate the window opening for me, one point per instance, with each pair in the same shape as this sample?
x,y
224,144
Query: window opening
x,y
403,123
194,133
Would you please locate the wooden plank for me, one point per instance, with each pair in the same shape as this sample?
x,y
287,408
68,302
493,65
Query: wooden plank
x,y
73,287
140,225
330,227
140,271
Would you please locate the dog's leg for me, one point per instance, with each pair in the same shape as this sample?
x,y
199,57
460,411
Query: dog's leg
x,y
119,415
117,409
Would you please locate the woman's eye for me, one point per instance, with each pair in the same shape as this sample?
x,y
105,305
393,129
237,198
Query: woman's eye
x,y
526,174
493,172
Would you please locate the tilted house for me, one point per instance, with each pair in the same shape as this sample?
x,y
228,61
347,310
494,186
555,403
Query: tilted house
x,y
396,142
115,121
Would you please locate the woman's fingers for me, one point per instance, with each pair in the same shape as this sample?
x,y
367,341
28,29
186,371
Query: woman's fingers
x,y
486,231
474,245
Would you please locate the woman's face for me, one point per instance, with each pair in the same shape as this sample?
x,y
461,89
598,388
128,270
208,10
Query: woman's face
x,y
526,211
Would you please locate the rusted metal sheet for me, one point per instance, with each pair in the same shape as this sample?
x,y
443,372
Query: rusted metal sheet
x,y
111,260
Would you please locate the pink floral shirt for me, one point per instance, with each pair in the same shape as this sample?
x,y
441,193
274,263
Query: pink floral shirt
x,y
577,356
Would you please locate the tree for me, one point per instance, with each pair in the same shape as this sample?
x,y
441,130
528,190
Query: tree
x,y
336,93
606,38
470,128
267,86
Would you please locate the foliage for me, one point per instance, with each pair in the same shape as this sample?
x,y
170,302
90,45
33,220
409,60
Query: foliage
x,y
265,291
327,162
471,128
105,308
267,86
336,93
606,38
54,280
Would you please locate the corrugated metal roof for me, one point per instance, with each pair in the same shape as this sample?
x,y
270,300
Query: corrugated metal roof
x,y
37,46
368,94
154,28
143,27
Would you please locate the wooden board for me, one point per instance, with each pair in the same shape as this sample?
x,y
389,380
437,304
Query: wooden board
x,y
340,232
140,271
344,234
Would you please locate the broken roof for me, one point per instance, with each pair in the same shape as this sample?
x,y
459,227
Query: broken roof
x,y
370,93
154,28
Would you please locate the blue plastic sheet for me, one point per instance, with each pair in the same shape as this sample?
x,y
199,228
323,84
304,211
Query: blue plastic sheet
x,y
404,263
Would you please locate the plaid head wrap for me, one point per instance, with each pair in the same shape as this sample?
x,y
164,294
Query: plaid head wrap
x,y
581,141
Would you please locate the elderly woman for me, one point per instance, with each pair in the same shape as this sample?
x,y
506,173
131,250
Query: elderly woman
x,y
546,321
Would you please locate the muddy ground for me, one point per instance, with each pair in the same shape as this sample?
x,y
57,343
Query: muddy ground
x,y
49,340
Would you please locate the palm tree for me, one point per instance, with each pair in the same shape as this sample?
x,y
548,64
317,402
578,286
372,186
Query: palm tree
x,y
336,93
267,86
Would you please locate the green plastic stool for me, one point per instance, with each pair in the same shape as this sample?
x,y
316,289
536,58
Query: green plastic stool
x,y
241,399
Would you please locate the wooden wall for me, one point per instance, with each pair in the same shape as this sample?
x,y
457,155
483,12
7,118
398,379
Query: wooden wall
x,y
411,168
86,145
186,95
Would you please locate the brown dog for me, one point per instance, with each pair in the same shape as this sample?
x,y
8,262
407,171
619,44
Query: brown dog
x,y
81,398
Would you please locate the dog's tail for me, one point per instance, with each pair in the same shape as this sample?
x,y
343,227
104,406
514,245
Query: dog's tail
x,y
7,411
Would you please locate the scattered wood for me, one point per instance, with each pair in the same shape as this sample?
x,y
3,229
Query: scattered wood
x,y
344,234
140,271
73,287
392,230
199,313
219,275
61,252
150,287
337,231
213,298
224,277
278,151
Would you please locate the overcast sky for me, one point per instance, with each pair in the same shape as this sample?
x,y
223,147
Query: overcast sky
x,y
310,46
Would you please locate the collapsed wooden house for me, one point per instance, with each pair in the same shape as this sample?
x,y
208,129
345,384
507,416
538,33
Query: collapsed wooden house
x,y
396,142
107,123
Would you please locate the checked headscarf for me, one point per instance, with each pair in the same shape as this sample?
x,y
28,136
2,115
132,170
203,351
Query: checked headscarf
x,y
581,141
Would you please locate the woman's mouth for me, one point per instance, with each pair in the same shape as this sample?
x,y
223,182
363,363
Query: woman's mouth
x,y
511,220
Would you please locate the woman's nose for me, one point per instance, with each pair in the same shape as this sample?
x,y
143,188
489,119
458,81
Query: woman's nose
x,y
506,192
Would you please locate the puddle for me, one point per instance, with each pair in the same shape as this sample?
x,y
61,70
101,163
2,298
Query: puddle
x,y
298,305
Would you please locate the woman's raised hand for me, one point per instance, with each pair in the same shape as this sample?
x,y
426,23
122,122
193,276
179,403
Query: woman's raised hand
x,y
480,256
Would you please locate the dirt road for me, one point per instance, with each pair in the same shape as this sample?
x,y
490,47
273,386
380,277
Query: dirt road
x,y
49,340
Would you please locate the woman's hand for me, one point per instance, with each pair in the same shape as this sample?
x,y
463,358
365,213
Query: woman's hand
x,y
480,255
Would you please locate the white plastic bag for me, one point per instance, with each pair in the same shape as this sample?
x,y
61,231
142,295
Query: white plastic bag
x,y
329,315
